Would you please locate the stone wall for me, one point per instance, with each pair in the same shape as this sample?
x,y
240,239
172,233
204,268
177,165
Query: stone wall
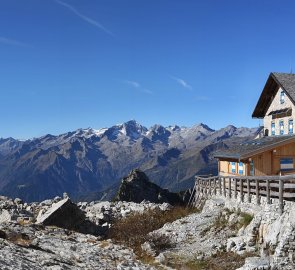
x,y
271,233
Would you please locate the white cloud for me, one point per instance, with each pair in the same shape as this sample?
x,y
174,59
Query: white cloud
x,y
138,86
85,18
182,82
13,42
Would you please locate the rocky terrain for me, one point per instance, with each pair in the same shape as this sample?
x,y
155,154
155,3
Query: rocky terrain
x,y
226,234
46,236
86,162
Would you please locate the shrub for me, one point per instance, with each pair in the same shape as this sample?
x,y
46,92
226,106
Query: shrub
x,y
133,230
160,242
246,219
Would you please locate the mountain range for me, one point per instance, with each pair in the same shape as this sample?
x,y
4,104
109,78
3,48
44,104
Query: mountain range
x,y
86,162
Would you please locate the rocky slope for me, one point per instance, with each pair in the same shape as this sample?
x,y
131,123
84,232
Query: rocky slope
x,y
215,238
257,235
86,162
49,235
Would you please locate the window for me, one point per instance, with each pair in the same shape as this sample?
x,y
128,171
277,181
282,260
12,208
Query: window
x,y
282,97
273,129
252,169
241,168
286,164
233,167
282,127
290,126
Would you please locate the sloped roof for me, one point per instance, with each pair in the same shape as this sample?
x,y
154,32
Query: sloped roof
x,y
254,147
275,80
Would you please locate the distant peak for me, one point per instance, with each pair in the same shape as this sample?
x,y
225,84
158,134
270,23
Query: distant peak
x,y
156,126
230,127
47,136
132,122
204,126
131,129
174,128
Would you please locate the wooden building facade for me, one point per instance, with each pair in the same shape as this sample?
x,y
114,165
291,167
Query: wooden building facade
x,y
278,160
274,152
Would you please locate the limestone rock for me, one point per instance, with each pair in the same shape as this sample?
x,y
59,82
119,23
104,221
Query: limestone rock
x,y
253,263
4,216
64,214
48,248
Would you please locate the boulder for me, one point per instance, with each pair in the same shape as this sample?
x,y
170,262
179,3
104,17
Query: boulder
x,y
65,214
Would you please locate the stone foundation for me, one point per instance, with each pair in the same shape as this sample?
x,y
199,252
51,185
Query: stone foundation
x,y
270,232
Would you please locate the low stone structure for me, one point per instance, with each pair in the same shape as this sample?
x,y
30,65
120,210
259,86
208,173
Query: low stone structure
x,y
270,232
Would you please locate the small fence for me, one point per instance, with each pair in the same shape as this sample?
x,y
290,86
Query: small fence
x,y
279,187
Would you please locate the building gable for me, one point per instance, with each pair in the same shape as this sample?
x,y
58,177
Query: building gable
x,y
274,83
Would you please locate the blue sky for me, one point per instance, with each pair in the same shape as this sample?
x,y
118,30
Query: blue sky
x,y
68,64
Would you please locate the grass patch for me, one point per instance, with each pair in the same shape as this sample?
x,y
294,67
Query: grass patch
x,y
246,219
133,230
160,242
222,222
220,261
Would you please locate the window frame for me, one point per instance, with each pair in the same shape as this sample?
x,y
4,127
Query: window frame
x,y
285,161
241,171
233,167
282,128
273,128
290,121
282,97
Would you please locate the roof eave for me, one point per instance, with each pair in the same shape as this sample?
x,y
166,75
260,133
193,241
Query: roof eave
x,y
258,113
227,156
267,148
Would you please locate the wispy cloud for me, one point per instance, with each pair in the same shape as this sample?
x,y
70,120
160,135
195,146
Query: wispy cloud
x,y
133,84
9,41
182,82
85,18
138,86
147,91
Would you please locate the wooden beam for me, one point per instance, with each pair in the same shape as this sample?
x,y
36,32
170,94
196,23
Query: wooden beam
x,y
242,190
248,190
257,193
229,187
235,188
281,193
267,192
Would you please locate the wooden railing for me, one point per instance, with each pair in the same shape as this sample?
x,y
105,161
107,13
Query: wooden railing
x,y
279,187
